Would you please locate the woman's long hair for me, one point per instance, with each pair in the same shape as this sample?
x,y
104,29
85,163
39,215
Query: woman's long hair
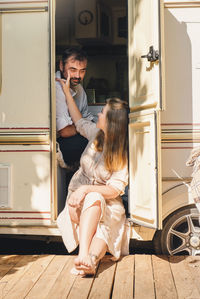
x,y
114,144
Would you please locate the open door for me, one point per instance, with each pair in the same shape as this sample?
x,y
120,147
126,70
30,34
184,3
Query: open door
x,y
145,100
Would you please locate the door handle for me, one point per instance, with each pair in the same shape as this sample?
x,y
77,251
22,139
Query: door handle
x,y
152,56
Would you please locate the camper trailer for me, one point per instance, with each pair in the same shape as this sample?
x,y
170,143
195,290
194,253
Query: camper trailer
x,y
146,52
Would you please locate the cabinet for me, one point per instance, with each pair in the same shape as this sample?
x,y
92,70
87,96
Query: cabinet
x,y
119,25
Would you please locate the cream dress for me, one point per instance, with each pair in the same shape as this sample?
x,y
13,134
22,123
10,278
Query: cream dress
x,y
112,227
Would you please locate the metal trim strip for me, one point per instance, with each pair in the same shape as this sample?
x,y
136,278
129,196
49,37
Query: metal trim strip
x,y
182,141
23,218
182,4
143,107
176,179
180,135
36,140
52,42
25,128
180,124
22,2
177,147
23,10
140,124
151,221
23,151
24,212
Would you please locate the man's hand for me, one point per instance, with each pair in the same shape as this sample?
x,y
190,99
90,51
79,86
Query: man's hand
x,y
77,197
68,131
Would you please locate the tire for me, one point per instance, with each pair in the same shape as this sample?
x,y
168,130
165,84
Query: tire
x,y
157,242
180,234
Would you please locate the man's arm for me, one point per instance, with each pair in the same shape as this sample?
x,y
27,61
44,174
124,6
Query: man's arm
x,y
68,131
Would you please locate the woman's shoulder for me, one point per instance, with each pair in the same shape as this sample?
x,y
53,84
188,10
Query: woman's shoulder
x,y
87,128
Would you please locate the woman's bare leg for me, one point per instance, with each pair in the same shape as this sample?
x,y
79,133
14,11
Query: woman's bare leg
x,y
87,228
97,251
74,214
98,248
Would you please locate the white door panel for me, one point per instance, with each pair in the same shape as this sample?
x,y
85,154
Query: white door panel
x,y
143,168
144,32
145,100
29,185
24,94
25,104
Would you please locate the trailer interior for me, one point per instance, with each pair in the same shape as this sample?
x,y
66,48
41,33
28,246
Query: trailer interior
x,y
99,28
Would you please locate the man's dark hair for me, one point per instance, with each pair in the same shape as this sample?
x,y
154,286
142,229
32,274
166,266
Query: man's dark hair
x,y
78,54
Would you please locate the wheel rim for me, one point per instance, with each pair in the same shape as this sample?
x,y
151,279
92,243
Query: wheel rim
x,y
183,236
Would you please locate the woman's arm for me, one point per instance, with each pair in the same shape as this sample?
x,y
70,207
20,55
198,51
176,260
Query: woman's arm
x,y
73,109
107,192
78,196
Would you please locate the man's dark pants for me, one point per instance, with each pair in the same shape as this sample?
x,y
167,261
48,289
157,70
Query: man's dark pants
x,y
71,148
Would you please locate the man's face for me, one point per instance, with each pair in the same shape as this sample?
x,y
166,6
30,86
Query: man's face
x,y
76,68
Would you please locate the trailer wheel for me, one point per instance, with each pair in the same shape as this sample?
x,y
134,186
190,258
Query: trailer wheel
x,y
180,234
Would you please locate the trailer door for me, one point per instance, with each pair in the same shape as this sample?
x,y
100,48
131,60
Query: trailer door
x,y
25,113
146,101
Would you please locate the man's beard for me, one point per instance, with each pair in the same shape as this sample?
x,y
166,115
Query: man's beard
x,y
72,82
75,81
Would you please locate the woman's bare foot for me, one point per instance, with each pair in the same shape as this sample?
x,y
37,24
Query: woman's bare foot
x,y
83,262
86,263
74,271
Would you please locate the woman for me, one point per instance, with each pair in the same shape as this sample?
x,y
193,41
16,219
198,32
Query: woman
x,y
94,216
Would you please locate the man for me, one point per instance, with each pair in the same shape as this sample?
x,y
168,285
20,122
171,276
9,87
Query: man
x,y
71,143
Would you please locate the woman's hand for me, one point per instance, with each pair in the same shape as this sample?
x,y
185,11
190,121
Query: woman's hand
x,y
71,104
65,84
77,197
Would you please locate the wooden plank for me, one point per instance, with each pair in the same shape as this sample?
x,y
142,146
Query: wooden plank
x,y
144,285
15,273
9,259
2,256
103,282
4,269
164,283
27,281
124,276
48,278
6,263
64,281
81,288
193,264
185,284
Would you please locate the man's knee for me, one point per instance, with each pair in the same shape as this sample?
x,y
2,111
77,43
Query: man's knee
x,y
72,147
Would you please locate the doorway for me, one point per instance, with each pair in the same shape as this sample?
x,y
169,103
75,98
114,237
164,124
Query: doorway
x,y
99,28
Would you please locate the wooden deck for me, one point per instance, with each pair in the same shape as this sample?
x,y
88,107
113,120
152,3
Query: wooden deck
x,y
134,276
